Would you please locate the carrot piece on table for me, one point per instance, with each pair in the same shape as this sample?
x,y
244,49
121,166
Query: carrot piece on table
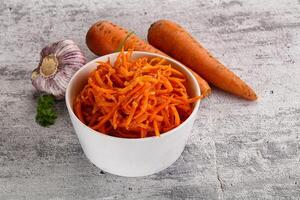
x,y
175,41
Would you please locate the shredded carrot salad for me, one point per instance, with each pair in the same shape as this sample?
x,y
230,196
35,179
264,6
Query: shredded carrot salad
x,y
134,98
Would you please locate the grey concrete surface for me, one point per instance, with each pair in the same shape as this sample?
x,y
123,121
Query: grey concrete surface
x,y
237,150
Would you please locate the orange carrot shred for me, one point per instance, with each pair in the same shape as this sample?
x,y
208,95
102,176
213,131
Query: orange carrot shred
x,y
156,128
176,115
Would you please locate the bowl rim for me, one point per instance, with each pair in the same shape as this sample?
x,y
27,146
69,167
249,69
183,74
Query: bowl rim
x,y
141,53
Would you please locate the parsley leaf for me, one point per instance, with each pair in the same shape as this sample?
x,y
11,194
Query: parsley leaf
x,y
46,114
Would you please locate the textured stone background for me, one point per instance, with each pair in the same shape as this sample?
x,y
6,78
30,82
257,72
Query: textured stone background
x,y
238,149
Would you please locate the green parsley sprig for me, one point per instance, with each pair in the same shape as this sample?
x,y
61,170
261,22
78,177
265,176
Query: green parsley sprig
x,y
46,114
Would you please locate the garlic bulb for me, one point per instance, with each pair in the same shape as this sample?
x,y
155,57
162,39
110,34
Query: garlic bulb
x,y
59,61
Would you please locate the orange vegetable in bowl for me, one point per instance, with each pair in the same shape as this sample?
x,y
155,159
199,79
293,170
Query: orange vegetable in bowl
x,y
134,98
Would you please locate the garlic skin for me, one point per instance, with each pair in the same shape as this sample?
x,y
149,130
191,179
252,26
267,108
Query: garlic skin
x,y
59,62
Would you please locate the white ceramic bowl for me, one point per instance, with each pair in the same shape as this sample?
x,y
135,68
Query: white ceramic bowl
x,y
130,157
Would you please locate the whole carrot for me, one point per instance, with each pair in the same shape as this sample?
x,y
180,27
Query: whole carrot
x,y
175,41
105,37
